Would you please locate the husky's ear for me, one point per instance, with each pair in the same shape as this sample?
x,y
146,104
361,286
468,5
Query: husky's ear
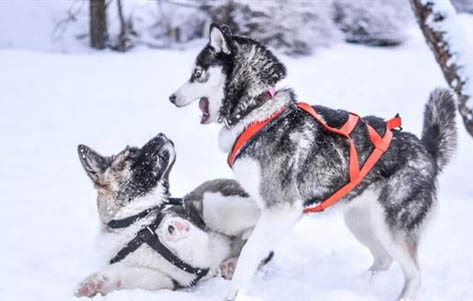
x,y
118,162
93,163
218,38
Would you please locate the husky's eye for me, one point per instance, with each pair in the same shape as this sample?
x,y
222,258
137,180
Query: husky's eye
x,y
164,155
102,185
171,229
197,73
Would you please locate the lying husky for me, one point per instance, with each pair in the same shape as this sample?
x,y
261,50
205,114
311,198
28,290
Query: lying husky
x,y
295,161
150,243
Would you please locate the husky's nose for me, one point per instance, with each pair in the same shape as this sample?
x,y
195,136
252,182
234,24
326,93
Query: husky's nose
x,y
172,98
161,136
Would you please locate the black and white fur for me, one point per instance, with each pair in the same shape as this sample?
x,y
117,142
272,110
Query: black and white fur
x,y
137,179
296,160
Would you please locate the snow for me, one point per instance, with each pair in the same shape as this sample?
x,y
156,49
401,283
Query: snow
x,y
51,102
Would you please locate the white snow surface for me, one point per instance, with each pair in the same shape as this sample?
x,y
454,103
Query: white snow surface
x,y
50,102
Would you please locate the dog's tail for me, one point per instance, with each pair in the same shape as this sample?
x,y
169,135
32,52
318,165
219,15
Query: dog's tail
x,y
440,130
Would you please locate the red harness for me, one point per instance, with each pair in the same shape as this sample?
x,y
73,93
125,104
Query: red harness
x,y
381,144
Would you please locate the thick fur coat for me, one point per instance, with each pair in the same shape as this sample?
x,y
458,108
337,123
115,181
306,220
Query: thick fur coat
x,y
295,161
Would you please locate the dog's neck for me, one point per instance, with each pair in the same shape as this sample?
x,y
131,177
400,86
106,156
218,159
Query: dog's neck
x,y
256,102
228,136
252,69
154,198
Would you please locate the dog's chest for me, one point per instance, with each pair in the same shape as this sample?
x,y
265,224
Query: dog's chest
x,y
207,252
247,172
144,256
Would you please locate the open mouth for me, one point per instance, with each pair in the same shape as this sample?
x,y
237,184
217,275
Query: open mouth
x,y
204,107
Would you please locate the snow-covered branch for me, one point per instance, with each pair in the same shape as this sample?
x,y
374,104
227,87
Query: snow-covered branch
x,y
454,53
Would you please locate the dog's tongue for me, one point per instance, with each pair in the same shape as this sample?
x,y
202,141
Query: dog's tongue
x,y
204,107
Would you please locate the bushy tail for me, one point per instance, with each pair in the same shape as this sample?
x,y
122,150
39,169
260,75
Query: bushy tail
x,y
440,130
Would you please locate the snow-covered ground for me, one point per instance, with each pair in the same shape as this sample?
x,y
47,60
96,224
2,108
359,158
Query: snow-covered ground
x,y
50,102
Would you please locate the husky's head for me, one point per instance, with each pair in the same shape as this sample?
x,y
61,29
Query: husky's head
x,y
135,177
229,75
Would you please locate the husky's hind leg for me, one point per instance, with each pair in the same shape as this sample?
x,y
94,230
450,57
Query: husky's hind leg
x,y
405,202
120,276
358,220
404,250
399,237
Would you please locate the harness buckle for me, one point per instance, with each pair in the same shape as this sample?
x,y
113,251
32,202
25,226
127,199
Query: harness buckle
x,y
150,230
227,123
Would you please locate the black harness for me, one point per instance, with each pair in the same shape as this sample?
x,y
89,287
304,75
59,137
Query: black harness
x,y
148,236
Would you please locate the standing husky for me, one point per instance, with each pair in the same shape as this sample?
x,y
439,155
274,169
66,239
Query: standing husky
x,y
295,161
150,244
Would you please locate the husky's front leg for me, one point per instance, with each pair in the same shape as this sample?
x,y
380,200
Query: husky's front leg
x,y
273,224
120,276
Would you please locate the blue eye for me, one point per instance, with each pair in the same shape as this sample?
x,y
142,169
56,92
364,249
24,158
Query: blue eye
x,y
171,229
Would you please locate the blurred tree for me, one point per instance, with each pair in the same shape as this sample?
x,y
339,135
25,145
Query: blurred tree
x,y
98,24
123,40
373,22
438,22
463,6
294,27
222,12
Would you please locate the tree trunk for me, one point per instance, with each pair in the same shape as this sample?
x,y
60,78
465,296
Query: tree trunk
x,y
123,35
433,16
98,24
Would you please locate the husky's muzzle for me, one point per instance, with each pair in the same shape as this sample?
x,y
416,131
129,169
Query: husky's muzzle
x,y
173,98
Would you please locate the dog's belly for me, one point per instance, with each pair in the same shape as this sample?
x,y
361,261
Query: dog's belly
x,y
230,215
207,253
367,200
365,216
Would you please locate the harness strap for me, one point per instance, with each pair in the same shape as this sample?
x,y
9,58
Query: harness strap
x,y
345,131
148,235
356,175
127,221
173,201
252,130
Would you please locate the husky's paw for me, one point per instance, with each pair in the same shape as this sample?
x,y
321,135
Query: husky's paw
x,y
380,265
176,229
241,296
96,284
227,268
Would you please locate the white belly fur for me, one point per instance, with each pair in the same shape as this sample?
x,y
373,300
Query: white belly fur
x,y
247,172
231,215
